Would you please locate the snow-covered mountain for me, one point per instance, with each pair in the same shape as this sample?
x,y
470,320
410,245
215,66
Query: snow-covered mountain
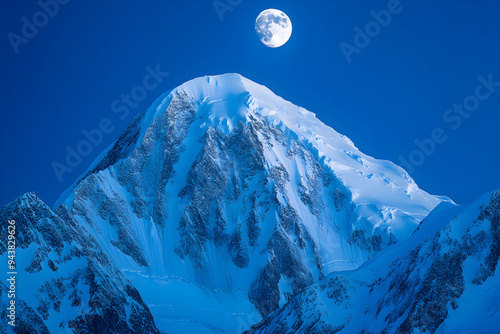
x,y
444,279
222,200
64,282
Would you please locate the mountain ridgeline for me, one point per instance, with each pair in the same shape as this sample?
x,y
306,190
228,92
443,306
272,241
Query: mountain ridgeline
x,y
216,207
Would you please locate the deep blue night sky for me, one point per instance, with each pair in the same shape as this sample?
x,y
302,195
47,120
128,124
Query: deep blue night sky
x,y
395,90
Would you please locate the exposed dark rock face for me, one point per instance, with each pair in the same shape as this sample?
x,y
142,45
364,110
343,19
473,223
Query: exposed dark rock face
x,y
123,146
491,213
68,275
284,260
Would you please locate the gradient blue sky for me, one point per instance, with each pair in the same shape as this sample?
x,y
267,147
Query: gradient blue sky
x,y
394,91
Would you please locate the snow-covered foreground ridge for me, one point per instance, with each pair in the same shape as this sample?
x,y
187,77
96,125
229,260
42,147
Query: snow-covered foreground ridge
x,y
223,200
444,279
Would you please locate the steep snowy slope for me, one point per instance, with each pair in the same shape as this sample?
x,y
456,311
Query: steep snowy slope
x,y
64,282
444,279
225,198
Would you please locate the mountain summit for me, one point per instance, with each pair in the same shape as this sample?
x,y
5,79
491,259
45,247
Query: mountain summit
x,y
212,210
226,192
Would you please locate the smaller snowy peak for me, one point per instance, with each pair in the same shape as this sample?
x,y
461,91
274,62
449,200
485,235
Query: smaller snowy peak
x,y
444,279
28,198
68,283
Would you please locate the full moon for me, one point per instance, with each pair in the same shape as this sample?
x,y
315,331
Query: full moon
x,y
273,27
